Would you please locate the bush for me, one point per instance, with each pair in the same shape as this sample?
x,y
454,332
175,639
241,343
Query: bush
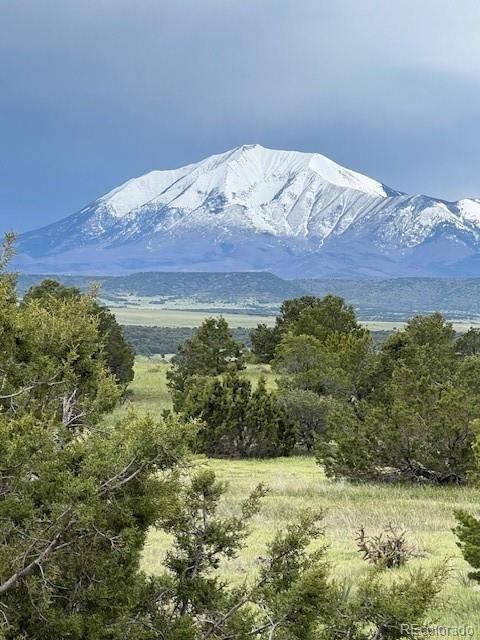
x,y
211,351
308,411
237,420
291,597
389,549
412,417
468,526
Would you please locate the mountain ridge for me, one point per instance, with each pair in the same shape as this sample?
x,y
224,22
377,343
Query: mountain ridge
x,y
293,213
262,292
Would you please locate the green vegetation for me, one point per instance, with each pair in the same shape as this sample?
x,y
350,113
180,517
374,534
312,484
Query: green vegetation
x,y
392,299
89,487
468,527
400,298
297,483
118,354
211,351
410,416
77,496
238,420
148,341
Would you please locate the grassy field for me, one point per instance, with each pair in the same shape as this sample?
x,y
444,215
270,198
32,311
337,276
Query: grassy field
x,y
181,318
146,316
297,482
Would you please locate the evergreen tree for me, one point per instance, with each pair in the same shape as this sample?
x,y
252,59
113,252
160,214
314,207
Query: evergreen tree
x,y
291,310
291,597
326,317
308,411
333,366
210,351
237,420
119,355
412,418
468,526
77,496
264,342
307,315
469,343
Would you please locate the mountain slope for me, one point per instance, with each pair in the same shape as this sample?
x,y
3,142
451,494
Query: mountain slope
x,y
251,208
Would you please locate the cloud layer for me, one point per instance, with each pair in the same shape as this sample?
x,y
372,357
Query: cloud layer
x,y
98,91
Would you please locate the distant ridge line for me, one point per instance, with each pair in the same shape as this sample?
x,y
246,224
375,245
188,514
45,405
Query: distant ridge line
x,y
390,298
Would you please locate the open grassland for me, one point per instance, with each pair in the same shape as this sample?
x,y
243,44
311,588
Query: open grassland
x,y
148,317
297,483
180,318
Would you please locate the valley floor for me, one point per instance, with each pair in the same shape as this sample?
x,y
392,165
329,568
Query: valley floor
x,y
297,482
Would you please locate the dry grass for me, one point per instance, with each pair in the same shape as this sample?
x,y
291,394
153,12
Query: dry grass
x,y
181,318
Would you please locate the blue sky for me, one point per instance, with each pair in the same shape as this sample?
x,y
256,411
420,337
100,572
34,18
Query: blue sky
x,y
98,91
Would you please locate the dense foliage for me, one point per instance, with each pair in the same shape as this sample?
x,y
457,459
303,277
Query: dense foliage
x,y
308,411
211,351
238,420
118,354
77,495
308,315
468,526
265,339
411,415
149,341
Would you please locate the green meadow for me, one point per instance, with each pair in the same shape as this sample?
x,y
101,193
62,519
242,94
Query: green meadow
x,y
298,482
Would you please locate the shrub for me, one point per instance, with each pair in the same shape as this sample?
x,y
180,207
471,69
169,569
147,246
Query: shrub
x,y
468,526
238,420
308,411
388,549
211,351
412,418
291,597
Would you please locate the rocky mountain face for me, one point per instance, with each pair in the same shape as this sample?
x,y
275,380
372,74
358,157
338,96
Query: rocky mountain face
x,y
298,215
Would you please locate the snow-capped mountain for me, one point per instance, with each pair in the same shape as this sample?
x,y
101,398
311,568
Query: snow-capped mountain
x,y
295,214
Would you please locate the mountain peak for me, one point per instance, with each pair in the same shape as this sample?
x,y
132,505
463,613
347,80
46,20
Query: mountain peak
x,y
254,208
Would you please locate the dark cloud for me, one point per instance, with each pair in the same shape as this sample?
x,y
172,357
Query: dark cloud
x,y
97,91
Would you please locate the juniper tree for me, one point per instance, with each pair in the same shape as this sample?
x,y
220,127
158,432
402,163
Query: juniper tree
x,y
210,351
306,315
413,417
77,495
291,596
237,420
468,526
119,356
308,411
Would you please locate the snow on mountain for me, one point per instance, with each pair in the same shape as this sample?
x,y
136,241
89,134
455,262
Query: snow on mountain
x,y
251,208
